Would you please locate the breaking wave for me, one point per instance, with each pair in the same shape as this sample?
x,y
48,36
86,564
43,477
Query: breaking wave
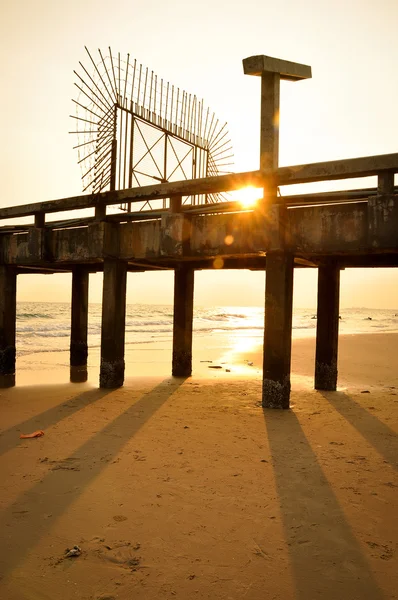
x,y
45,327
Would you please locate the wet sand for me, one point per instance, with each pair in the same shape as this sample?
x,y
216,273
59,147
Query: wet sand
x,y
179,488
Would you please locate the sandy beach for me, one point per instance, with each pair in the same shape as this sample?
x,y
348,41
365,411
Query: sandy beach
x,y
187,488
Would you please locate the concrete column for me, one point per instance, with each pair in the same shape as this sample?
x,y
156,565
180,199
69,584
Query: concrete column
x,y
40,220
113,323
385,183
269,126
277,330
8,315
175,204
182,321
327,330
78,339
279,269
100,212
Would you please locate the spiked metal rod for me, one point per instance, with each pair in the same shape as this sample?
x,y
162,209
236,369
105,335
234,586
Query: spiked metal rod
x,y
135,128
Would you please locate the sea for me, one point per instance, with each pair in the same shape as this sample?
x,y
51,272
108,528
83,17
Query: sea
x,y
45,326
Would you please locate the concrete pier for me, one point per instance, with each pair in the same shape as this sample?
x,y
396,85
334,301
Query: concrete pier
x,y
279,281
182,321
329,230
8,309
327,330
113,323
79,324
277,330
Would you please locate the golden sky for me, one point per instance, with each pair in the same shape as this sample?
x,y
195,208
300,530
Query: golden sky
x,y
348,108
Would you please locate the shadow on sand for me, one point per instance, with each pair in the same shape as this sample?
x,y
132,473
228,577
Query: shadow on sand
x,y
9,437
54,493
377,433
326,558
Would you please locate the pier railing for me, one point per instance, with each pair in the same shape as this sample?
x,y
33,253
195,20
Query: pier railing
x,y
384,166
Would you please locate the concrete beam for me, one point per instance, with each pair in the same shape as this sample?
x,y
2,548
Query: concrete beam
x,y
292,71
361,228
220,183
228,234
341,228
383,222
325,171
331,170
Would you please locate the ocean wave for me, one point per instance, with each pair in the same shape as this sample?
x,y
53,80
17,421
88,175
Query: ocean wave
x,y
39,350
34,316
221,317
145,328
45,327
44,334
136,323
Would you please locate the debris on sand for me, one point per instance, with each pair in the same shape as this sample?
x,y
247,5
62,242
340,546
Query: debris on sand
x,y
73,552
28,436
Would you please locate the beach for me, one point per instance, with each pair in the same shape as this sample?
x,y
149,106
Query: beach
x,y
187,488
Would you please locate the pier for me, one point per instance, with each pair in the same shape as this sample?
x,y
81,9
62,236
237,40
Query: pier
x,y
329,231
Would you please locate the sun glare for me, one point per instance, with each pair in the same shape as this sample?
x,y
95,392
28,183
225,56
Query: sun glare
x,y
249,196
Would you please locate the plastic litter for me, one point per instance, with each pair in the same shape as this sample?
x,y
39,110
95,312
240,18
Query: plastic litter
x,y
35,434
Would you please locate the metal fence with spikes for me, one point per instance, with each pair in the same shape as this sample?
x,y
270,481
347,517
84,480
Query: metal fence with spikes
x,y
135,129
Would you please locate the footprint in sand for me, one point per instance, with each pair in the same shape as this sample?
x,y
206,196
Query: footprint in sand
x,y
122,554
67,464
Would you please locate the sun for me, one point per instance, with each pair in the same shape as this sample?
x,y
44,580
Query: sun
x,y
249,196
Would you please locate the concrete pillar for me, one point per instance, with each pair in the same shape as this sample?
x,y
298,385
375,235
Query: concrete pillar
x,y
385,183
175,204
279,269
78,339
113,323
182,321
100,212
327,330
277,330
8,315
269,124
40,220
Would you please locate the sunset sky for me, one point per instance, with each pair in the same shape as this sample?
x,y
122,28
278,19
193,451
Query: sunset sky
x,y
347,109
